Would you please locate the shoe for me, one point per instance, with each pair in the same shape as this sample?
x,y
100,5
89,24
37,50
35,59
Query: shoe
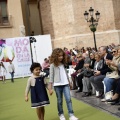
x,y
62,117
112,100
100,95
86,94
115,103
118,103
78,91
74,88
73,118
103,100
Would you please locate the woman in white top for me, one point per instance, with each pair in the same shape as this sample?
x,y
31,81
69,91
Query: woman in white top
x,y
3,71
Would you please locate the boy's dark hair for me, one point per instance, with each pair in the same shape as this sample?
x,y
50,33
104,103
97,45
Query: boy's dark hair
x,y
34,65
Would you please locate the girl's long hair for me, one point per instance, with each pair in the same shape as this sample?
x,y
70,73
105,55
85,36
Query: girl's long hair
x,y
55,55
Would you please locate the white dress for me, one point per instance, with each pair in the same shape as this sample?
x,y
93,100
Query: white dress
x,y
2,71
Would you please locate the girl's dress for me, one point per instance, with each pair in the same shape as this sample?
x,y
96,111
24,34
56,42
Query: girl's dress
x,y
39,95
2,71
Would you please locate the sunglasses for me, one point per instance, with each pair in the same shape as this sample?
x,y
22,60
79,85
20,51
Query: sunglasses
x,y
113,51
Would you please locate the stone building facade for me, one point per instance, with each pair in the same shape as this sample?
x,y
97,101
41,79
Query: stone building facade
x,y
11,19
64,21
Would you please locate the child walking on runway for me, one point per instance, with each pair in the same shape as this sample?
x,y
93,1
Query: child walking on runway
x,y
59,79
39,97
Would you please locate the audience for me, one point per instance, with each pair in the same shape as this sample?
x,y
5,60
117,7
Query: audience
x,y
45,66
105,71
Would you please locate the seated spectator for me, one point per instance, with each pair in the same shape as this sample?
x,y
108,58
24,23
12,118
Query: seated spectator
x,y
115,98
45,67
79,76
92,61
111,77
66,51
73,60
83,50
85,80
74,51
77,68
99,74
71,52
69,62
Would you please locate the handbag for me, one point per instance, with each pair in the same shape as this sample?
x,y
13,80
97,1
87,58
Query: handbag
x,y
88,72
109,95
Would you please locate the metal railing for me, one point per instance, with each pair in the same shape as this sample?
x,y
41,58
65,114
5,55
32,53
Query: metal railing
x,y
6,21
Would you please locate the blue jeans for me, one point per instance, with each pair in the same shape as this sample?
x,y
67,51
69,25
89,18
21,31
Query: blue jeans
x,y
12,76
108,83
60,90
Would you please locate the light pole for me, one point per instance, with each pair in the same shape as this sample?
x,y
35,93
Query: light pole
x,y
32,39
93,22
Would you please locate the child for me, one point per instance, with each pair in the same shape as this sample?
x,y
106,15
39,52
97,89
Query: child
x,y
59,79
3,71
11,70
39,97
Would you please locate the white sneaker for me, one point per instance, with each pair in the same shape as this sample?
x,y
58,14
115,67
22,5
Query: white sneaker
x,y
62,117
73,118
103,100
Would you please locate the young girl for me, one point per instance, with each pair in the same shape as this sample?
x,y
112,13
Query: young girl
x,y
59,79
3,71
39,97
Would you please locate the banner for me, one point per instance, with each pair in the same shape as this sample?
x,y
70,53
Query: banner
x,y
17,50
42,48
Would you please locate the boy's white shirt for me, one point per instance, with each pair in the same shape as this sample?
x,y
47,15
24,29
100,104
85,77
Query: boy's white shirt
x,y
11,68
63,77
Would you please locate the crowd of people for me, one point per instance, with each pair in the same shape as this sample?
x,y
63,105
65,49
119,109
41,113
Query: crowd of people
x,y
95,72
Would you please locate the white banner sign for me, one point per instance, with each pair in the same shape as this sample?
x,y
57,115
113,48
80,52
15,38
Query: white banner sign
x,y
42,48
17,50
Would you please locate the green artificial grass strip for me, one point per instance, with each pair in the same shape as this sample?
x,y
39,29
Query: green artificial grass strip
x,y
14,107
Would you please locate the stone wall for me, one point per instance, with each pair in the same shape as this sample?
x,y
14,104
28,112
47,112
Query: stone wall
x,y
14,10
116,8
64,20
